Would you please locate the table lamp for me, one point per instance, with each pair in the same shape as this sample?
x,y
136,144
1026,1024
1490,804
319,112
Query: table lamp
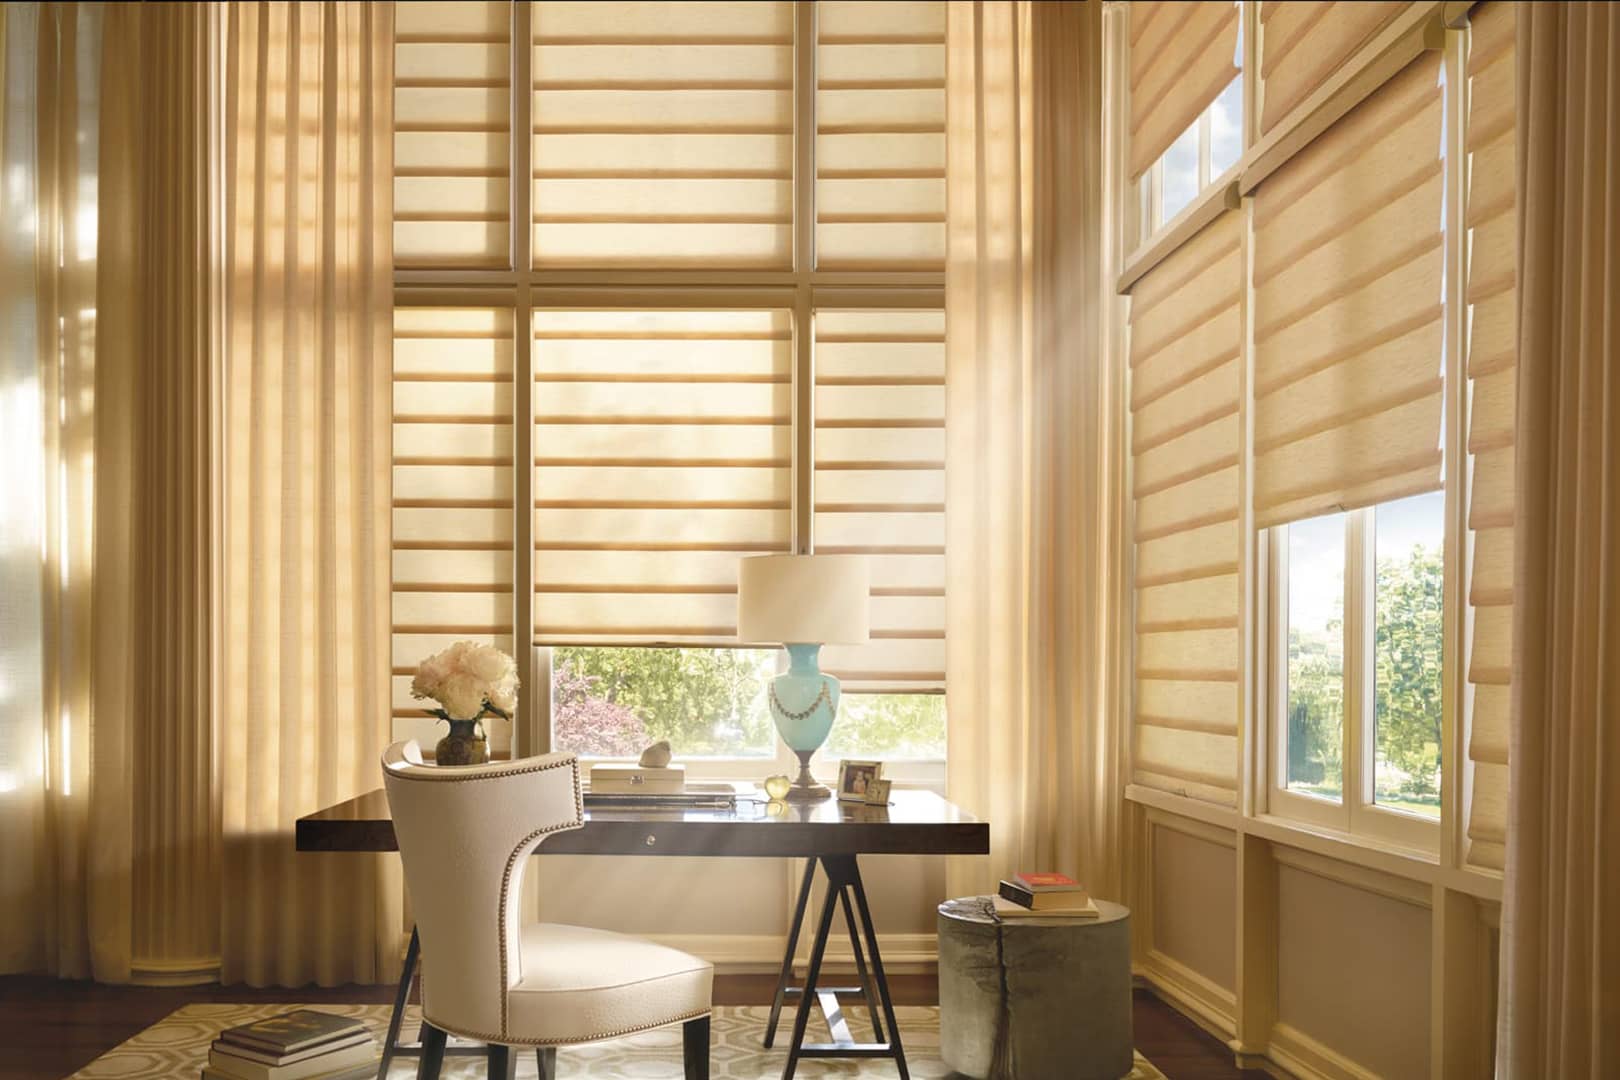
x,y
803,602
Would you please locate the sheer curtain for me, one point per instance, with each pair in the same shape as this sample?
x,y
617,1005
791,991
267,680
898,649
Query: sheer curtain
x,y
305,646
1032,745
1560,991
48,185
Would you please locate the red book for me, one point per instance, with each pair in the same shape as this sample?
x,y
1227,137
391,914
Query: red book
x,y
1045,883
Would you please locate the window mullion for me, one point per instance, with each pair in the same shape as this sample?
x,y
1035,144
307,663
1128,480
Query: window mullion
x,y
804,232
1359,735
532,726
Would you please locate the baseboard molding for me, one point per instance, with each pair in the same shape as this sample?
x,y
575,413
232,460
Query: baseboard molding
x,y
1305,1058
1208,1004
759,954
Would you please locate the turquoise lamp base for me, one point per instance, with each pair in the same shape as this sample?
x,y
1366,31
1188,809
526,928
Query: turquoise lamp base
x,y
804,703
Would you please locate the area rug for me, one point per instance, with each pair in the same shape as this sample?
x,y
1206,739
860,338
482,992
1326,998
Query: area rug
x,y
176,1047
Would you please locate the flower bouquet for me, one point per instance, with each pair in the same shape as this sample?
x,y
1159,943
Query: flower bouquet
x,y
467,680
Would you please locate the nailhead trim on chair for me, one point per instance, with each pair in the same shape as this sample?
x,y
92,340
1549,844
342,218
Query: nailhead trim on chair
x,y
507,1040
571,761
561,761
506,881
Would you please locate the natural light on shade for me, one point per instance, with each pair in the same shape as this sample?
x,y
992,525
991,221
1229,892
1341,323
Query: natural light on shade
x,y
1409,545
1315,743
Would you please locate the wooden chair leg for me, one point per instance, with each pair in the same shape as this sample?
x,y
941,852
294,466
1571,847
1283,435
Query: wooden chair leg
x,y
502,1063
546,1058
695,1047
432,1055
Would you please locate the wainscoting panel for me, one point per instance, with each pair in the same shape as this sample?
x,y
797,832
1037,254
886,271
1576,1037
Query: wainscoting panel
x,y
1353,972
1194,906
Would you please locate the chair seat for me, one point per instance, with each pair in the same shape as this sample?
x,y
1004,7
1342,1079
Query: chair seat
x,y
581,984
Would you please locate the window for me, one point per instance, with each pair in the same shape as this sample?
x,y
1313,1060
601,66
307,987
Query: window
x,y
1314,740
1360,646
1408,645
1349,437
668,290
1186,65
1200,154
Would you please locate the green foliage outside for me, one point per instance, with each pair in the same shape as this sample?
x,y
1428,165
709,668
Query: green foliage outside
x,y
890,726
1316,710
712,702
1408,636
706,702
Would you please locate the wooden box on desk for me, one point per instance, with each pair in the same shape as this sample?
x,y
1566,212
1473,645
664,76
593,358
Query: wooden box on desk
x,y
637,780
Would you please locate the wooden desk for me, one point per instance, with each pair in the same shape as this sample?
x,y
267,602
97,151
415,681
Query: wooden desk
x,y
828,833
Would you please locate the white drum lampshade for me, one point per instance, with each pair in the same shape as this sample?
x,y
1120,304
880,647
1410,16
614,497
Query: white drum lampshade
x,y
804,598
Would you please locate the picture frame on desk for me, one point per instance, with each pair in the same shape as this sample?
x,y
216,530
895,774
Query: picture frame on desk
x,y
877,792
855,777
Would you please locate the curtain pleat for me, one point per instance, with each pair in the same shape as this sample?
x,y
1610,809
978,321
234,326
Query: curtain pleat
x,y
1560,994
307,491
154,703
1028,433
48,293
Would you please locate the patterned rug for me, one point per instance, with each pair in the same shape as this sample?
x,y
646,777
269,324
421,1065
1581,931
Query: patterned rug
x,y
177,1047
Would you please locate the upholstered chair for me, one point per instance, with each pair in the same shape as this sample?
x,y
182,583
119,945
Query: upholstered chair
x,y
465,834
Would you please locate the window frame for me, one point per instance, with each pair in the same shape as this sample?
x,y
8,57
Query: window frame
x,y
1357,812
801,289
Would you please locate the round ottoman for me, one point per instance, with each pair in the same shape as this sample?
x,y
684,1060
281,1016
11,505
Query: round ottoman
x,y
1033,998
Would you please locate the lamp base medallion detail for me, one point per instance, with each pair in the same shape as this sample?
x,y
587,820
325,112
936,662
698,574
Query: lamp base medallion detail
x,y
804,703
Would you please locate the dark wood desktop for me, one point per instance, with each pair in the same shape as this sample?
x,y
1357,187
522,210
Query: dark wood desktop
x,y
830,834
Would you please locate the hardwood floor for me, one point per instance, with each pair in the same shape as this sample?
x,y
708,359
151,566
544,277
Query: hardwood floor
x,y
50,1027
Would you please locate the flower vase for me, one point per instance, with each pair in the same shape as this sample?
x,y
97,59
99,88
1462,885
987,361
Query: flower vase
x,y
467,744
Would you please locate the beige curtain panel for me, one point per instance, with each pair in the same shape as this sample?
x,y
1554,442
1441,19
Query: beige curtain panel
x,y
1348,329
1560,993
1031,748
306,484
158,278
1183,53
50,94
109,826
1493,376
1303,42
1186,379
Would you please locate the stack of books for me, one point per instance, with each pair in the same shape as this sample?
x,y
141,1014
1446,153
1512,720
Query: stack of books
x,y
1049,896
299,1045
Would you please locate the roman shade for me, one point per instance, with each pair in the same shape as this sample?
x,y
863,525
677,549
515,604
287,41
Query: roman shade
x,y
663,444
1185,385
1303,42
1492,375
880,135
880,486
452,475
1182,55
663,134
1348,335
452,125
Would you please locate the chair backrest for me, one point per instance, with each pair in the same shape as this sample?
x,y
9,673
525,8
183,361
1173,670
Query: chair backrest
x,y
464,835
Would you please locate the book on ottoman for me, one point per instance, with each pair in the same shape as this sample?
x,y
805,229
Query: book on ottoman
x,y
299,1045
1047,893
1006,909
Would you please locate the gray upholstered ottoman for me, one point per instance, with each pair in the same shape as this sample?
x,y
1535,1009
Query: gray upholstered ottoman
x,y
1033,998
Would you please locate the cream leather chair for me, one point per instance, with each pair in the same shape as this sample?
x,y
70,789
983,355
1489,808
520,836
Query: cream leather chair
x,y
465,834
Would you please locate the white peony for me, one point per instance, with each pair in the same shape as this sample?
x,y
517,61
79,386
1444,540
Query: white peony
x,y
467,678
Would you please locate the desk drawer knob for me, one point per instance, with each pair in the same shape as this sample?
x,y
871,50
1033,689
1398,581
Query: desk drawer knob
x,y
652,840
